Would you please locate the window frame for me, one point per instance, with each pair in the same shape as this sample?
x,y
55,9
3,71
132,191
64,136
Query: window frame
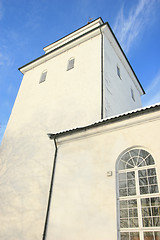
x,y
43,76
118,72
138,197
71,63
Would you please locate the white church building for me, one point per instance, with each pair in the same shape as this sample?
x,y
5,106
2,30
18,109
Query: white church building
x,y
80,158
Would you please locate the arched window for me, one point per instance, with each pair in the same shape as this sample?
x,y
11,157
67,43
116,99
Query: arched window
x,y
138,196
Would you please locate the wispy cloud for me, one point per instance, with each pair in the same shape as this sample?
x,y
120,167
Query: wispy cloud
x,y
5,60
153,92
128,28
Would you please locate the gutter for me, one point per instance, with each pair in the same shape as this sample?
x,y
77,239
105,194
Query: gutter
x,y
50,191
102,83
118,118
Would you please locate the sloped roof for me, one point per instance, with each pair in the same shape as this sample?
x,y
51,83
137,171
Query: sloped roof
x,y
120,117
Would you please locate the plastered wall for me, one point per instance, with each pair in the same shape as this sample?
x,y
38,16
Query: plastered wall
x,y
83,204
117,90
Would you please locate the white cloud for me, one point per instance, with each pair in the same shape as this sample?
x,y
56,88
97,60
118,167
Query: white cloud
x,y
153,92
128,28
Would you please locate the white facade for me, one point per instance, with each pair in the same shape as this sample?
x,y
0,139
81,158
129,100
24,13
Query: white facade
x,y
69,96
85,191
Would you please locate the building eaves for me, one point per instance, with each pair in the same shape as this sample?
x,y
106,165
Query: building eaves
x,y
75,31
104,23
46,54
113,119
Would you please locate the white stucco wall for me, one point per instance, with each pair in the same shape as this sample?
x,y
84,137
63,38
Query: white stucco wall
x,y
117,91
83,202
65,100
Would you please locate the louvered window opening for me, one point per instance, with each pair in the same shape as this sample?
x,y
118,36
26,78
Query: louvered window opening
x,y
43,77
70,64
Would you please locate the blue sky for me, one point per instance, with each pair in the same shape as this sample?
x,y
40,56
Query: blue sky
x,y
26,26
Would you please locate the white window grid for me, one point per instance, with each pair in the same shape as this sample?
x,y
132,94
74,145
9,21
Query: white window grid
x,y
138,219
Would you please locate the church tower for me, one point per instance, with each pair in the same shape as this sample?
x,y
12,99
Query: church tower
x,y
82,78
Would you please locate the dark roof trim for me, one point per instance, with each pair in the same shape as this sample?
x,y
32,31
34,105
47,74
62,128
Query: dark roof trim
x,y
76,30
122,117
125,56
63,44
106,23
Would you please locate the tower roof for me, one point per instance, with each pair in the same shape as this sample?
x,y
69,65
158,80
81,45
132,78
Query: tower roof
x,y
76,37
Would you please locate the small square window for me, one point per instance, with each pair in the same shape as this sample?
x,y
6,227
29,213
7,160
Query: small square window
x,y
43,77
118,72
70,64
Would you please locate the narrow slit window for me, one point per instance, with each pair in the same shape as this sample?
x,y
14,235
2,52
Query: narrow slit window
x,y
132,94
70,64
118,72
43,77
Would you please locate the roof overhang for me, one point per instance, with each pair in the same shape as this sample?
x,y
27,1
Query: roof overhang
x,y
88,31
108,121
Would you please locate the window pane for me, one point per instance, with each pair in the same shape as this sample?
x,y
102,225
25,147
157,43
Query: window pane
x,y
151,171
131,162
122,176
155,211
122,165
124,236
133,222
155,201
130,175
152,180
135,160
156,221
122,192
149,160
145,202
124,223
143,181
131,183
124,213
142,163
144,190
148,236
122,184
157,235
123,204
142,173
146,212
153,189
134,152
147,222
128,166
143,153
133,212
126,157
134,236
131,191
132,203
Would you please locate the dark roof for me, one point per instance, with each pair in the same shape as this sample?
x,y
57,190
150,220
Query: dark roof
x,y
120,117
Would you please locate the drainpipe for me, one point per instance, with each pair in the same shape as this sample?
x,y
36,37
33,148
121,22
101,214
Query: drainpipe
x,y
51,189
101,73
